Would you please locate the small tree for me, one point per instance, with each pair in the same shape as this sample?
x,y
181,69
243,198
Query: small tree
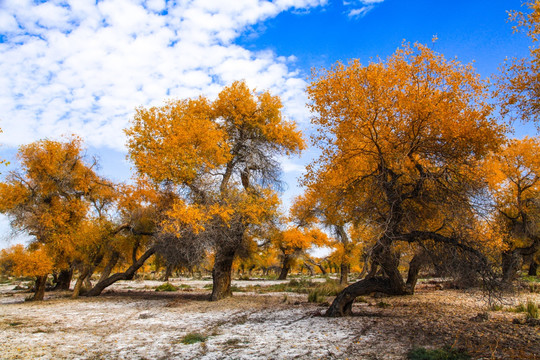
x,y
34,262
515,186
49,197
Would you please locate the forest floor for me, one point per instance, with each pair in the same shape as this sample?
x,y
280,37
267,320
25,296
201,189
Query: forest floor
x,y
133,321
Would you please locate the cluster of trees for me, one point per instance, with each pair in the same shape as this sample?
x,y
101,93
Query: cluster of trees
x,y
415,169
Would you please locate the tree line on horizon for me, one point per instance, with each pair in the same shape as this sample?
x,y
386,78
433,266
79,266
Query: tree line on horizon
x,y
417,169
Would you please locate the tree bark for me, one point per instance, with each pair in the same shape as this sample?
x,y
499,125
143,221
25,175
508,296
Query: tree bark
x,y
221,274
64,280
344,274
511,260
115,256
168,272
80,281
39,291
126,275
342,304
415,266
533,267
285,267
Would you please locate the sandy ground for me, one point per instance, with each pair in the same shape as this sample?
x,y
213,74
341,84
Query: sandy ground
x,y
131,321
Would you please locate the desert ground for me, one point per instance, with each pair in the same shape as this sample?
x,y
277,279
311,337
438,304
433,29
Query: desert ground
x,y
133,321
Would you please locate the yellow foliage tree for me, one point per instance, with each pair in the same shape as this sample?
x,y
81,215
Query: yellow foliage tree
x,y
402,143
515,187
48,198
221,156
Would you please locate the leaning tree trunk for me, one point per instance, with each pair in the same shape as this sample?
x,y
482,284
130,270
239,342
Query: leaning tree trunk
x,y
64,280
391,284
126,275
285,267
115,256
221,273
39,288
342,304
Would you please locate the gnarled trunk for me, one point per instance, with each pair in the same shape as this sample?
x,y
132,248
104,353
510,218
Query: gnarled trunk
x,y
221,273
342,304
285,267
115,256
392,283
126,275
39,288
64,280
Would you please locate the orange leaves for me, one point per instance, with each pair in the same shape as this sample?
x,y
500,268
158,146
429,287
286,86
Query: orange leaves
x,y
295,240
401,138
186,139
26,263
256,116
175,141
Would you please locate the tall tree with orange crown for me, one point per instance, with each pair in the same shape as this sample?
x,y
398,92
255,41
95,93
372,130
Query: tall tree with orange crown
x,y
402,142
221,155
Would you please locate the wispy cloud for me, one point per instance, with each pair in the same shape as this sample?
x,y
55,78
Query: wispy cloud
x,y
82,66
359,8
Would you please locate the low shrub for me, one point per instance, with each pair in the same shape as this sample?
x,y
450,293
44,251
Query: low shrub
x,y
445,353
532,310
166,287
315,296
193,338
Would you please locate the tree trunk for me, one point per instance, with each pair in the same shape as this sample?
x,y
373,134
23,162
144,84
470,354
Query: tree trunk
x,y
415,265
221,274
344,274
64,280
392,283
323,271
285,267
533,267
168,272
342,304
510,266
126,275
80,281
39,291
115,256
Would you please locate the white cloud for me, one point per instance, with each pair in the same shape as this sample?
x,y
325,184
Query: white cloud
x,y
74,66
359,8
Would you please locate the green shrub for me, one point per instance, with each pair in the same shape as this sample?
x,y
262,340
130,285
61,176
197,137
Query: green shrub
x,y
532,310
445,353
383,305
166,287
519,308
193,338
315,296
235,288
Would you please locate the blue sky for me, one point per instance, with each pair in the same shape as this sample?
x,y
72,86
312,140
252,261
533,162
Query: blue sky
x,y
82,66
